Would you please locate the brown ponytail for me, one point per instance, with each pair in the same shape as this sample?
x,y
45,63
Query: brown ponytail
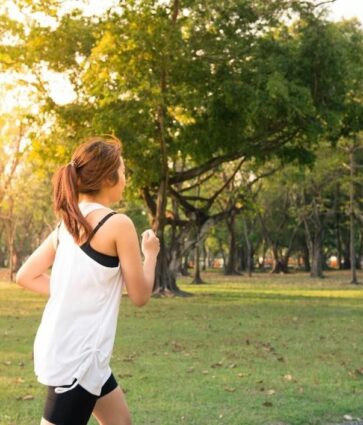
x,y
93,162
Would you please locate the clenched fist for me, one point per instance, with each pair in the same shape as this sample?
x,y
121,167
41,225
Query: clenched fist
x,y
150,244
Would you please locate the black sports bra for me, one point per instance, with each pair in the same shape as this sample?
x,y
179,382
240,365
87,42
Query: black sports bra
x,y
99,257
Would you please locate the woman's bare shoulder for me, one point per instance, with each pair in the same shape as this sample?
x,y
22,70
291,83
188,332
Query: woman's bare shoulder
x,y
121,218
121,221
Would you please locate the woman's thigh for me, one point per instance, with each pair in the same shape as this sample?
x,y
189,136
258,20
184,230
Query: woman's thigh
x,y
45,422
112,409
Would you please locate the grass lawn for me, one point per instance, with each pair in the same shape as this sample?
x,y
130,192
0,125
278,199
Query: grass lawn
x,y
265,350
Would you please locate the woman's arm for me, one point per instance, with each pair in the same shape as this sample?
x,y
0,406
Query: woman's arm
x,y
138,275
31,274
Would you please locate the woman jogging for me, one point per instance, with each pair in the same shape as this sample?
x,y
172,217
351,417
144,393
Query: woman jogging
x,y
93,253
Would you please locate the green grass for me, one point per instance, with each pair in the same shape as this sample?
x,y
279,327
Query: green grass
x,y
261,351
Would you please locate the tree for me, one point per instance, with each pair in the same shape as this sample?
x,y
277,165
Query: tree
x,y
194,84
352,126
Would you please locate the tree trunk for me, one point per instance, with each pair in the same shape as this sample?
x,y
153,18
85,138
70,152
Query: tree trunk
x,y
231,266
205,257
337,227
242,259
353,267
285,262
11,257
249,248
261,264
314,240
165,278
12,261
360,252
346,253
197,278
317,255
305,258
285,258
277,264
184,268
168,261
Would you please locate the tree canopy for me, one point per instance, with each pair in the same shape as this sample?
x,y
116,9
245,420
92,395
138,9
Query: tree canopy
x,y
191,89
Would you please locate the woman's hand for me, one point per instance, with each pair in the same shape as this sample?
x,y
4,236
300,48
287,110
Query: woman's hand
x,y
150,244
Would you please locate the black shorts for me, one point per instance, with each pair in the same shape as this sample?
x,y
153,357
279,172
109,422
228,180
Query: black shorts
x,y
75,406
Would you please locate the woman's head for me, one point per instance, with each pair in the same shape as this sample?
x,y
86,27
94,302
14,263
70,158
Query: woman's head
x,y
96,168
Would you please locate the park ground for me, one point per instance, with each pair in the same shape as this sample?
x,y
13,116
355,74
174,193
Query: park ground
x,y
265,350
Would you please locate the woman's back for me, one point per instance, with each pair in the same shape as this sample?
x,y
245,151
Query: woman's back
x,y
76,335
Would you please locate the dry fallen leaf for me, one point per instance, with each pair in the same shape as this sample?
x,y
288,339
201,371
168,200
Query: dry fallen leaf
x,y
218,364
267,404
230,389
28,397
288,378
125,375
129,358
177,346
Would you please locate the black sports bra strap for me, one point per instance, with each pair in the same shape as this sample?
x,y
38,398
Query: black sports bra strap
x,y
99,224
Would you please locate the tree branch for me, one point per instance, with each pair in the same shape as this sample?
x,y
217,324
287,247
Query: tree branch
x,y
276,142
150,202
175,11
183,200
323,3
199,182
211,200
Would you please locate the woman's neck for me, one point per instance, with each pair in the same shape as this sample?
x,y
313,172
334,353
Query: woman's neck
x,y
95,199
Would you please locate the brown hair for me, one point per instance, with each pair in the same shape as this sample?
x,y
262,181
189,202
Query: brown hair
x,y
94,161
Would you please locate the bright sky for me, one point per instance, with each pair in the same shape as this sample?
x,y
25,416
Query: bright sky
x,y
59,85
346,9
90,7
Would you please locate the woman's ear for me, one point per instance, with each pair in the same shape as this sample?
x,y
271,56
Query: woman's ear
x,y
108,182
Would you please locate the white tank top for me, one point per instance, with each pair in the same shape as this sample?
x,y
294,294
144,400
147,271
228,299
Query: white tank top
x,y
77,331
